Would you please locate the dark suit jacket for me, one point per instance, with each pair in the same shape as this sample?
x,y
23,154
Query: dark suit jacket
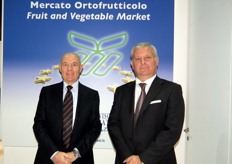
x,y
158,127
48,124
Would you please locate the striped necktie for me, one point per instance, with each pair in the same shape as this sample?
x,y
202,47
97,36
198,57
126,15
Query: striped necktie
x,y
67,116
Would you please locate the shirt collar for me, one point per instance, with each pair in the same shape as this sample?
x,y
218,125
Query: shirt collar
x,y
148,81
74,85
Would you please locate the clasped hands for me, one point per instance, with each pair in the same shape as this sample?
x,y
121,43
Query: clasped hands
x,y
133,159
64,158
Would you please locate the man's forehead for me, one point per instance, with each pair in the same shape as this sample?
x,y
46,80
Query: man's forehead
x,y
143,54
70,59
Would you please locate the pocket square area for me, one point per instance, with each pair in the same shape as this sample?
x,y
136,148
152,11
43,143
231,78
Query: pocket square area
x,y
155,101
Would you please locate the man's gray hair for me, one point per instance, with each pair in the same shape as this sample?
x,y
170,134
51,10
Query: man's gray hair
x,y
144,44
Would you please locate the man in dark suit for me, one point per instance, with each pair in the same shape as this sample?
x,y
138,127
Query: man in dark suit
x,y
150,135
48,121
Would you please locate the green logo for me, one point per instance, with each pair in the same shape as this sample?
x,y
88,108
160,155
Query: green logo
x,y
101,57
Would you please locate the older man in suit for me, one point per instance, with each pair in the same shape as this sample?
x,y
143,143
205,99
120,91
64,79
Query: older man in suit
x,y
50,126
146,134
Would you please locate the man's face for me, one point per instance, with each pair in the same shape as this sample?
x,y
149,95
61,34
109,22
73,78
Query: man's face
x,y
70,68
144,63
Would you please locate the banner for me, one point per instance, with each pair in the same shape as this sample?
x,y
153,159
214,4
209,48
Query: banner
x,y
38,33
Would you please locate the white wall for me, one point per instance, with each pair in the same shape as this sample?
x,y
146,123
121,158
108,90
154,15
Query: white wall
x,y
180,65
209,82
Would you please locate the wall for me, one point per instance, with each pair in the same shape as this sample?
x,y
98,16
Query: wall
x,y
209,82
180,65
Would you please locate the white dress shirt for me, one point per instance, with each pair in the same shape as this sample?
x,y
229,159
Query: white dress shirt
x,y
74,91
138,88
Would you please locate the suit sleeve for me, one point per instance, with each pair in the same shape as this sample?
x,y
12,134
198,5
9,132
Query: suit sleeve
x,y
40,126
122,148
90,127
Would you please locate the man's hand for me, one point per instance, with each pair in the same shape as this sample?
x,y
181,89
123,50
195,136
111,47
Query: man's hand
x,y
134,159
62,158
73,158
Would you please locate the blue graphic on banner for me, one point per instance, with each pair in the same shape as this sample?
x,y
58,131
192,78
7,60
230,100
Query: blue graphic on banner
x,y
102,33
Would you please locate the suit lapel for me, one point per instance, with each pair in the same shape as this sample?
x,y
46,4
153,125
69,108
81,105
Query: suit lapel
x,y
59,104
81,100
58,94
130,97
152,93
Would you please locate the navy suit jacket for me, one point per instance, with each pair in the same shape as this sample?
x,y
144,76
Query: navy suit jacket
x,y
48,124
158,127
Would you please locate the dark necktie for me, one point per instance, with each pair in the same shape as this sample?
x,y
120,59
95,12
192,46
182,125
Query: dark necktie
x,y
67,116
139,102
